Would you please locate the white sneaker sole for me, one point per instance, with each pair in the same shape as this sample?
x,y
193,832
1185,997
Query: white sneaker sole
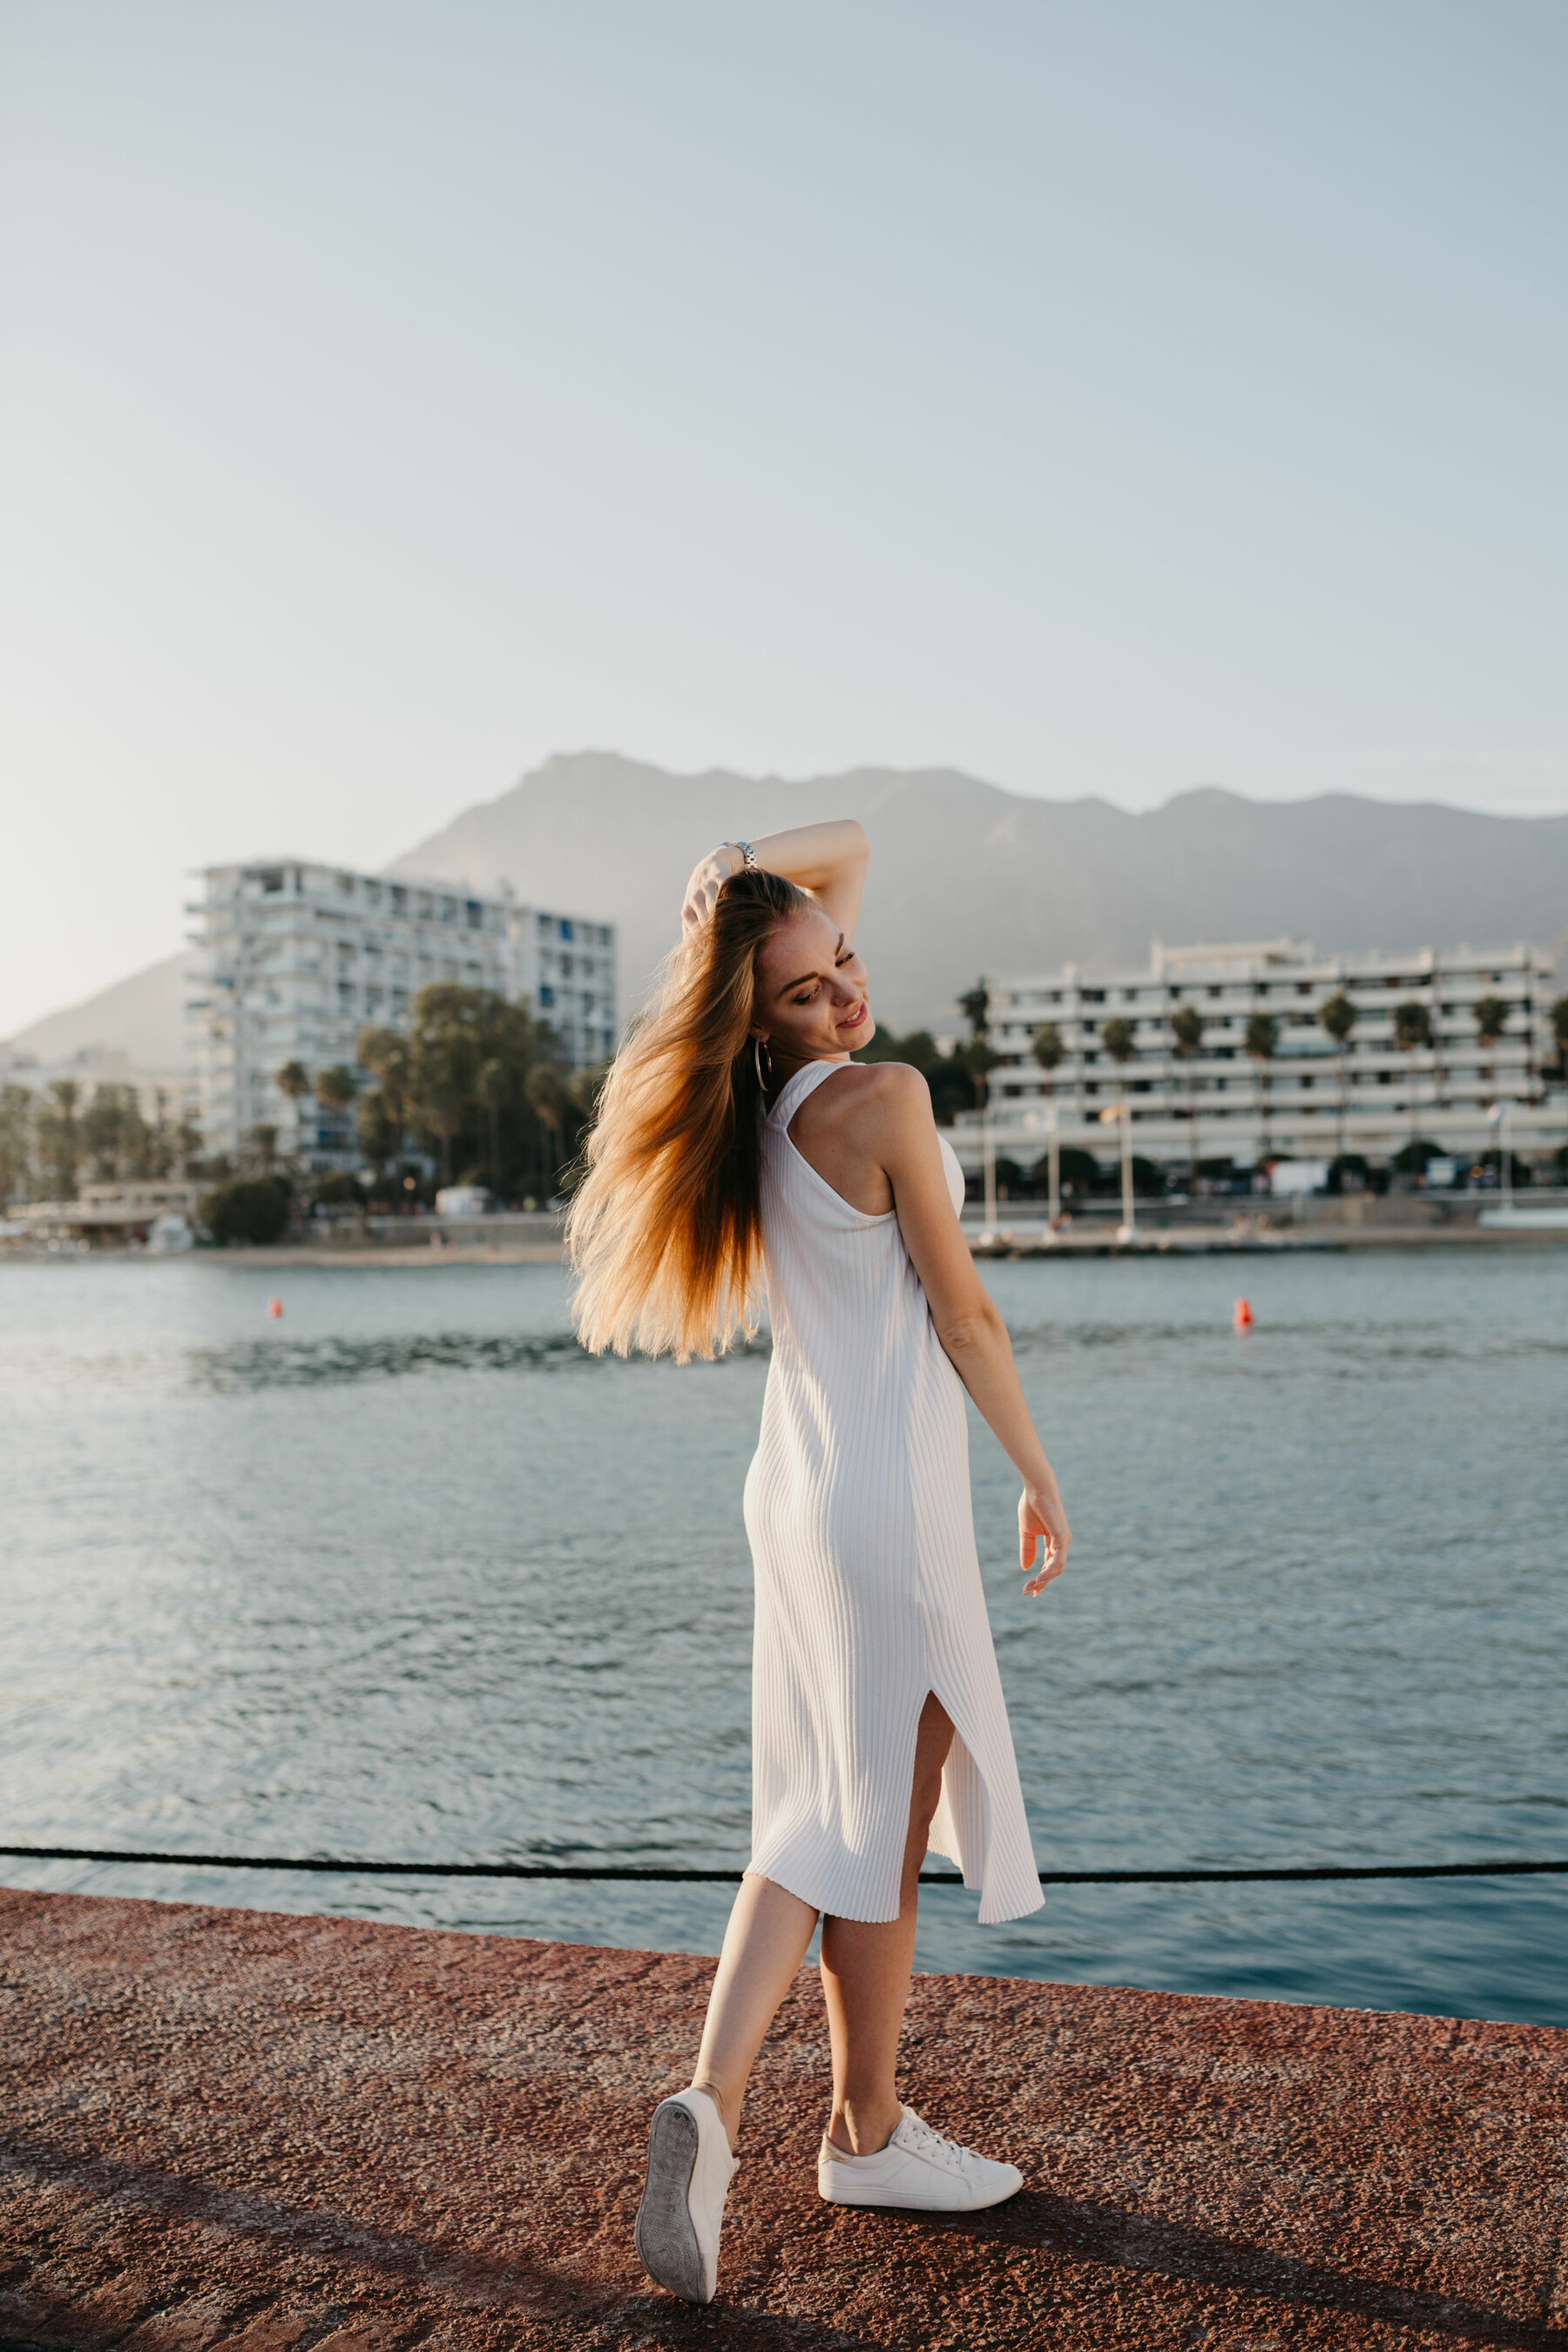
x,y
665,2237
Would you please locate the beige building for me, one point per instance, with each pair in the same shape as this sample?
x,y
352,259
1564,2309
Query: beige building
x,y
1310,1100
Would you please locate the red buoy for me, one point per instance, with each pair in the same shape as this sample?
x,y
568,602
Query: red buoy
x,y
1242,1318
275,1307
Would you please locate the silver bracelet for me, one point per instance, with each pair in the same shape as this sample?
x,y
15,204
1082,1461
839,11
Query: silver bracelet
x,y
747,853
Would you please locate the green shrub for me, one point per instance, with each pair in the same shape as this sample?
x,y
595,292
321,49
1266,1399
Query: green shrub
x,y
251,1208
338,1190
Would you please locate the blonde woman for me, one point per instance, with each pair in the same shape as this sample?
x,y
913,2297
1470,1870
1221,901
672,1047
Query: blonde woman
x,y
738,1146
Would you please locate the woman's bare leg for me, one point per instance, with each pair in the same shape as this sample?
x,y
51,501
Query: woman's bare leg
x,y
866,1971
765,1944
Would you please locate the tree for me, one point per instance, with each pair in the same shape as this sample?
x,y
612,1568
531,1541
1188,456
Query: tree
x,y
1263,1043
336,1087
1412,1033
1120,1039
1187,1036
251,1209
59,1138
377,1132
1049,1052
261,1145
293,1080
114,1135
1338,1016
456,1033
1490,1015
548,1097
15,1142
388,1056
1080,1171
975,1006
490,1088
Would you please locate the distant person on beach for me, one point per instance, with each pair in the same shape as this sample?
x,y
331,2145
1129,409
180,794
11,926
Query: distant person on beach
x,y
738,1146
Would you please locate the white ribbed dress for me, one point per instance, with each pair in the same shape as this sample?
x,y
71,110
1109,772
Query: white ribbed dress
x,y
868,1584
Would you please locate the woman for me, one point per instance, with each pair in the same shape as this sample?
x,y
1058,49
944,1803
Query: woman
x,y
735,1140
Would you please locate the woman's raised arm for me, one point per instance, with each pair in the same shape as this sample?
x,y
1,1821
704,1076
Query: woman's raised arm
x,y
828,860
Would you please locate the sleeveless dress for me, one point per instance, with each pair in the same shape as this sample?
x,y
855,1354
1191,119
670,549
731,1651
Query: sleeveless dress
x,y
868,1584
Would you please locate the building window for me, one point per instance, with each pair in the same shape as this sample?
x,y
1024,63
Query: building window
x,y
566,932
546,994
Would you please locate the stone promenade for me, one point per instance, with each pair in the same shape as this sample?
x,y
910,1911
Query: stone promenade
x,y
238,2129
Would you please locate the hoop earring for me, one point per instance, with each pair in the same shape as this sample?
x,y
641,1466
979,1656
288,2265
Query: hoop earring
x,y
757,1056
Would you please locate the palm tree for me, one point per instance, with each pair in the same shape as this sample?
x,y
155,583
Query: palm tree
x,y
1049,1051
1338,1016
1262,1043
387,1055
981,1058
293,1083
1412,1031
490,1089
376,1130
548,1098
59,1138
1120,1039
1187,1036
1491,1023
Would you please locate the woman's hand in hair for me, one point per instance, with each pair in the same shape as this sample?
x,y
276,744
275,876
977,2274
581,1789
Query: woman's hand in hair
x,y
1042,1526
707,876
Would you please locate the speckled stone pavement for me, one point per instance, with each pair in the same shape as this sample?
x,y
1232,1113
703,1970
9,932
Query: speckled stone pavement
x,y
241,2129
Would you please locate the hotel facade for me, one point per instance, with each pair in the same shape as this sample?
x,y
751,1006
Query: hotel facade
x,y
1311,1099
293,959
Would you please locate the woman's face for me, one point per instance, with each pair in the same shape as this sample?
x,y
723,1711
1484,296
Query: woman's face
x,y
811,992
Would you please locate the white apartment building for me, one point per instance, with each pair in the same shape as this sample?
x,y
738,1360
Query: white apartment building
x,y
1308,1102
294,958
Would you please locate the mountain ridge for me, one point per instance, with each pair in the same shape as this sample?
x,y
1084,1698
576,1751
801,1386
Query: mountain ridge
x,y
966,878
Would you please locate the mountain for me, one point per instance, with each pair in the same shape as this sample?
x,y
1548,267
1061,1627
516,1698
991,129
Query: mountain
x,y
141,1017
966,878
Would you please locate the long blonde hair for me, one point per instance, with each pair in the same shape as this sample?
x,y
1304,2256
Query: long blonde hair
x,y
664,1227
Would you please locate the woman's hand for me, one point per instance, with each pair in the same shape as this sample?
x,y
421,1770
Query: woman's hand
x,y
1042,1525
706,880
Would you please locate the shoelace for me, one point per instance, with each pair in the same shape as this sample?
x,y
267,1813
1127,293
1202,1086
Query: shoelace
x,y
931,2142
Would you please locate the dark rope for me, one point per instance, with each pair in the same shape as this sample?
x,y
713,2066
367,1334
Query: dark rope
x,y
732,1877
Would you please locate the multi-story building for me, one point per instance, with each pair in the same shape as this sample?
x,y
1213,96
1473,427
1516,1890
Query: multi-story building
x,y
294,958
1309,1098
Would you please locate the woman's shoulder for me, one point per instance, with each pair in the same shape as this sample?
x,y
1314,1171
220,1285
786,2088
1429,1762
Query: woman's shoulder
x,y
868,1095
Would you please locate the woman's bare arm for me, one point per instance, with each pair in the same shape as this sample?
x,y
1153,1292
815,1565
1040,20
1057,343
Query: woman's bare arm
x,y
901,1132
828,860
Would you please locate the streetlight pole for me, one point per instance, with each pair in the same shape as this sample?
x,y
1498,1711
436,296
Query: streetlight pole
x,y
1053,1174
1128,1231
988,1149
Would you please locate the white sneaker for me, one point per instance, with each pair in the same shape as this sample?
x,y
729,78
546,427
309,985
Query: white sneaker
x,y
690,2168
918,2168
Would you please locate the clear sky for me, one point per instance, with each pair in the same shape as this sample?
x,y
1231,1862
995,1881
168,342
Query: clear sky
x,y
1103,398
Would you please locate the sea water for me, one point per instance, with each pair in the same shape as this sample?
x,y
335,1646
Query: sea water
x,y
403,1573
